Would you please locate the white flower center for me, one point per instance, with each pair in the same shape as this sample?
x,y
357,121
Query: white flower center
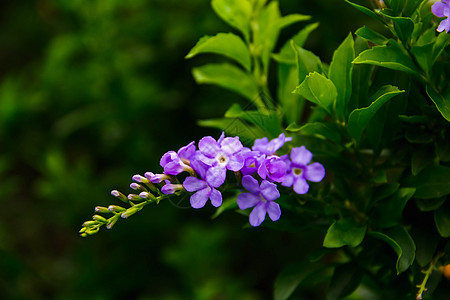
x,y
222,159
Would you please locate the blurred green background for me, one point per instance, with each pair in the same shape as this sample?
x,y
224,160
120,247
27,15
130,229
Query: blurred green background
x,y
92,92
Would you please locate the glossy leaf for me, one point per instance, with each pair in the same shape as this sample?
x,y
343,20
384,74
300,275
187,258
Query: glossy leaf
x,y
318,129
344,233
390,56
229,77
442,101
236,13
402,243
291,103
365,10
227,44
388,212
319,90
360,118
340,73
403,27
307,62
371,36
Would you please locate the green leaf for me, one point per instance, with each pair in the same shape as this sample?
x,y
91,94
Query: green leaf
x,y
344,233
430,204
390,56
433,182
360,118
291,277
291,104
227,76
340,73
318,129
388,212
307,62
403,26
291,19
287,55
346,278
371,36
236,13
319,90
365,10
442,220
420,159
269,121
235,127
402,243
227,204
442,101
227,44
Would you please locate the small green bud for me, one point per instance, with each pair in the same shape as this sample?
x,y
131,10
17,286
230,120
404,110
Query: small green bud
x,y
111,223
101,209
82,230
148,196
129,212
84,235
99,218
119,196
89,223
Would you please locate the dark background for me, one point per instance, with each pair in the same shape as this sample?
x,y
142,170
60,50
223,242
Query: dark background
x,y
93,92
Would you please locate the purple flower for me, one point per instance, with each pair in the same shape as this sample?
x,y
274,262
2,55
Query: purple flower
x,y
251,161
203,192
299,171
442,9
176,162
262,198
268,148
220,155
272,167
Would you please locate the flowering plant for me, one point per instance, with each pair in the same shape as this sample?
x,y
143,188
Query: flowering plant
x,y
376,119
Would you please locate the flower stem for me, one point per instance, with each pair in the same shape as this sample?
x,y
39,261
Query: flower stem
x,y
427,272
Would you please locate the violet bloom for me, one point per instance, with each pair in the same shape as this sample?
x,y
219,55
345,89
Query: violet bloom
x,y
265,147
176,162
441,9
262,198
220,155
203,192
272,167
252,161
299,171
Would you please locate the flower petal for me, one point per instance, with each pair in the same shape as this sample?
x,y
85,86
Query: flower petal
x,y
167,158
250,184
315,172
192,184
273,209
438,9
301,156
231,145
187,151
198,200
235,162
246,200
200,167
301,186
208,146
262,170
289,180
173,168
444,25
269,190
216,198
260,144
215,176
258,214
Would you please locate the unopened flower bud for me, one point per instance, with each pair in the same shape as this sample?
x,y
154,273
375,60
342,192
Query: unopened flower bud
x,y
137,187
171,188
89,223
129,212
140,179
116,208
158,178
111,223
148,196
99,218
119,196
101,209
134,197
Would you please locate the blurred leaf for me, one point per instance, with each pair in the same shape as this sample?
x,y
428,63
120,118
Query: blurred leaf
x,y
226,44
442,220
360,118
388,212
426,239
421,119
430,204
287,55
235,127
385,190
365,10
345,280
371,36
270,121
402,243
291,277
291,104
229,77
442,101
340,73
307,62
319,90
227,204
344,233
420,159
318,129
390,56
236,13
432,182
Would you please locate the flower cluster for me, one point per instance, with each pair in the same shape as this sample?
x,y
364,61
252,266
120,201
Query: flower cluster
x,y
258,169
441,9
